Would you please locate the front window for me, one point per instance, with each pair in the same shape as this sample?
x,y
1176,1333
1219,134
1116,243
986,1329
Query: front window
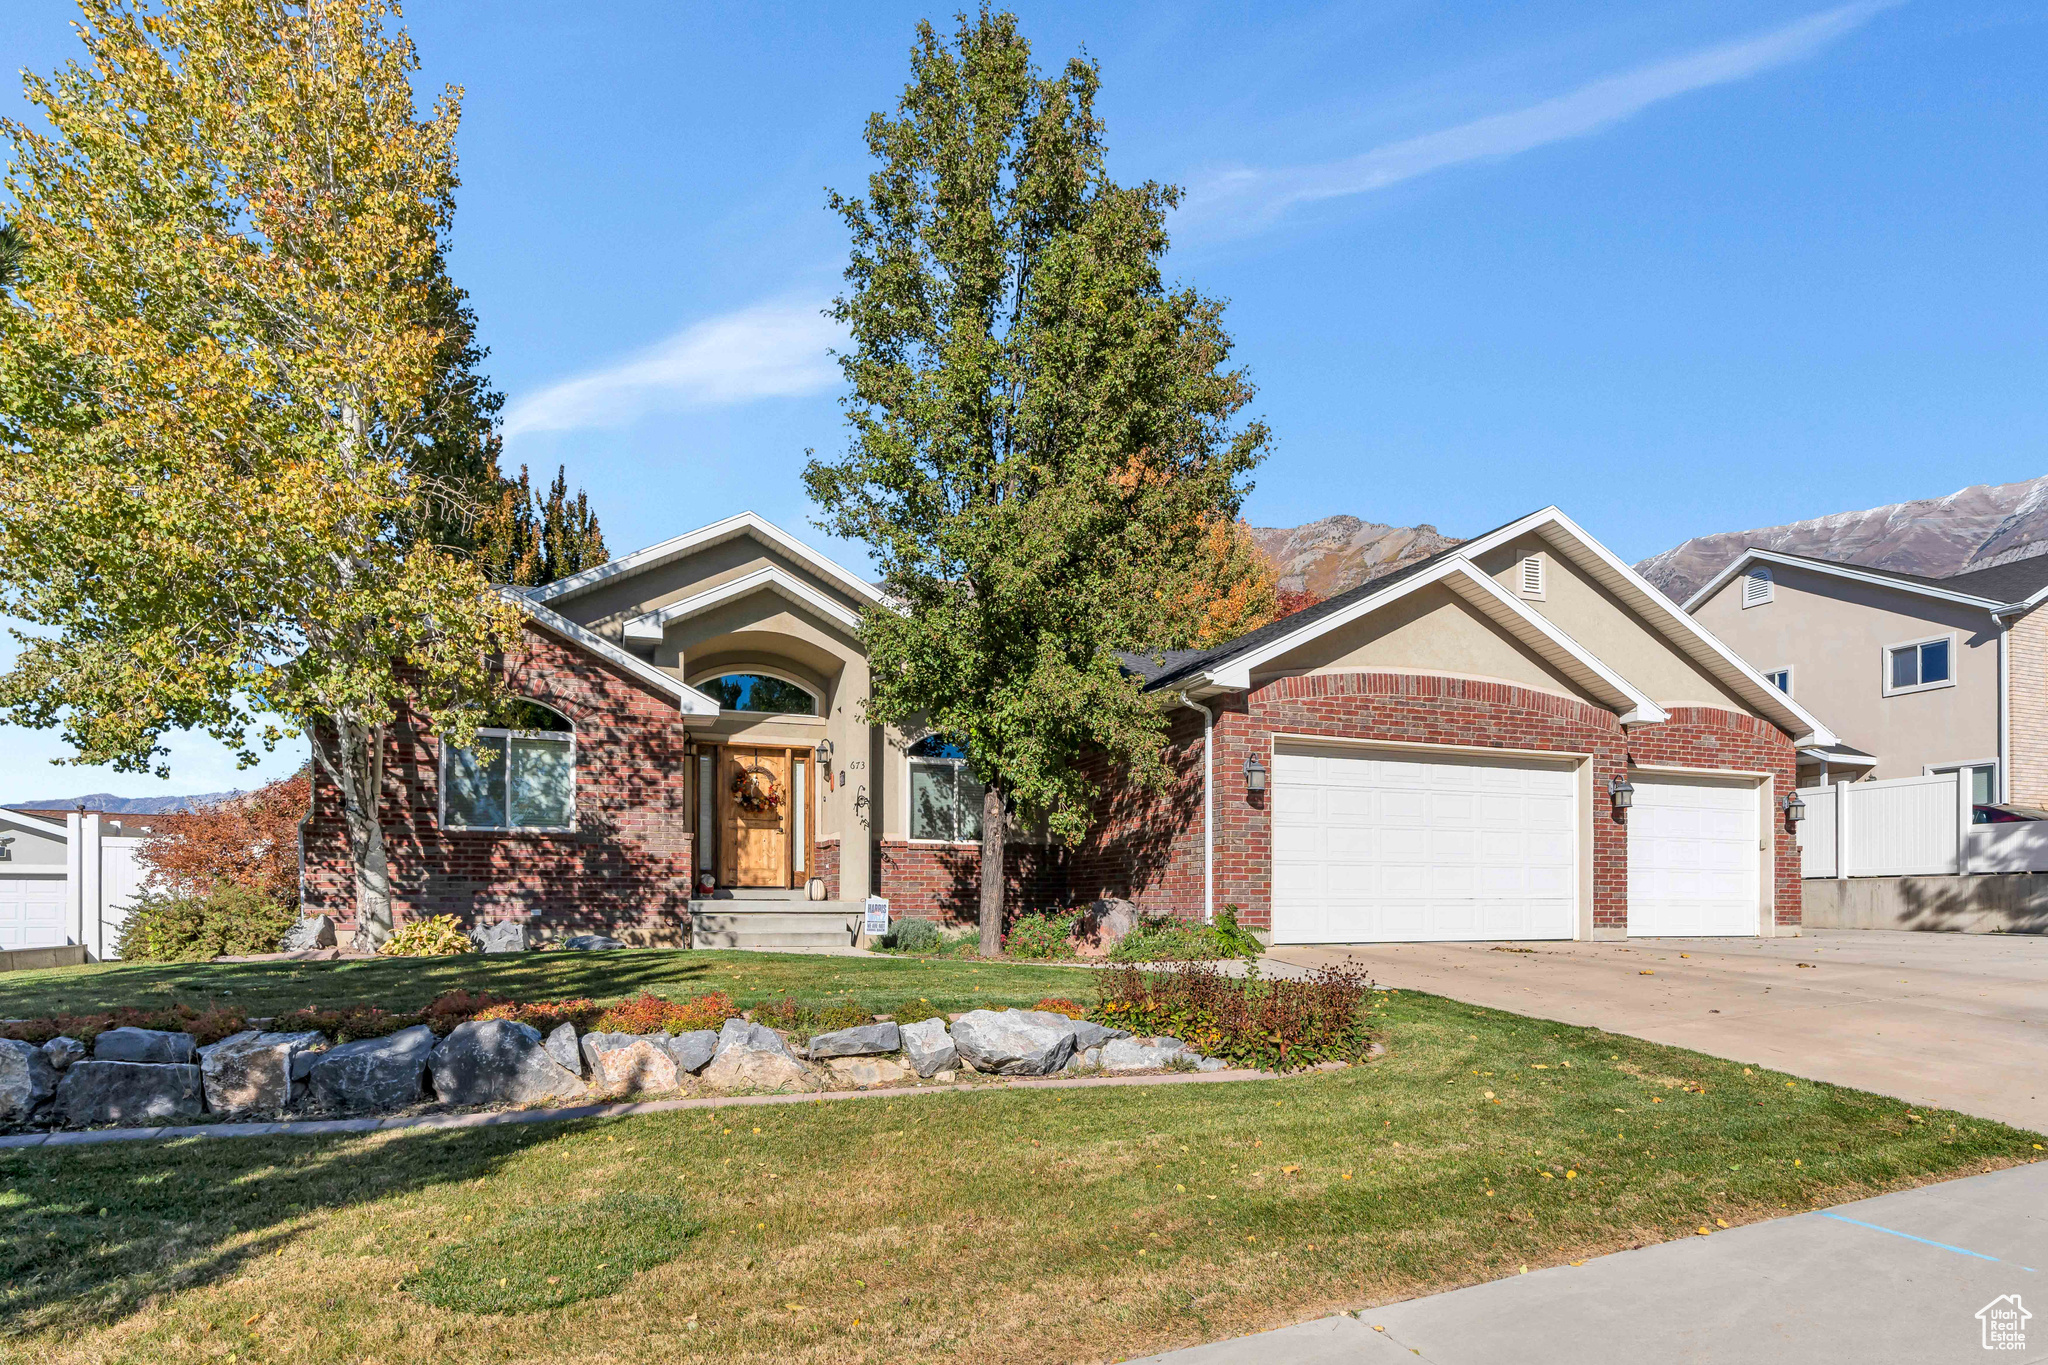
x,y
759,692
513,779
945,795
1923,664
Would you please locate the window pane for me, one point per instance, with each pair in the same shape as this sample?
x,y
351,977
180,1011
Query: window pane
x,y
1934,662
1980,786
931,800
475,784
543,783
970,804
757,692
1905,667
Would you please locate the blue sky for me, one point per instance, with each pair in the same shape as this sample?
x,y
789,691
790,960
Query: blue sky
x,y
1676,267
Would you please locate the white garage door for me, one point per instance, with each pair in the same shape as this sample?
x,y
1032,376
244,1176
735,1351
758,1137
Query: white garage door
x,y
1692,857
1376,847
31,912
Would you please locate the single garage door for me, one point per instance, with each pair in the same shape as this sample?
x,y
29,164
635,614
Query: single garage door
x,y
1692,857
1375,847
31,912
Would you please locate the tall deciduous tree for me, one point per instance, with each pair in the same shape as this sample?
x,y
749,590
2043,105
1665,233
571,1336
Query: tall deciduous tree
x,y
225,346
531,540
1043,431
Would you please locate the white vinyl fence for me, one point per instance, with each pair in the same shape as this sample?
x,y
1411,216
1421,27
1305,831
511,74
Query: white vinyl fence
x,y
103,876
1907,827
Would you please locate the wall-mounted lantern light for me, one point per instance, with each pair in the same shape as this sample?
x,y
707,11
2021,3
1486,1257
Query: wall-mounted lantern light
x,y
1621,792
1254,774
1794,808
824,753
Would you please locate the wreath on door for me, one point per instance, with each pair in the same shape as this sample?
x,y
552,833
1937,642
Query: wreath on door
x,y
755,792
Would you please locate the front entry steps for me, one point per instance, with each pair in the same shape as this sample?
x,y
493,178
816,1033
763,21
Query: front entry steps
x,y
763,924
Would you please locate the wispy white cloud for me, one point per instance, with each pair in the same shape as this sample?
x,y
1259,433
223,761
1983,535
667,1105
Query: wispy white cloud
x,y
776,349
1254,197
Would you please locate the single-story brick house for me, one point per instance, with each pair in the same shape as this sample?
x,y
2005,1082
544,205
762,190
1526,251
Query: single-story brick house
x,y
1443,753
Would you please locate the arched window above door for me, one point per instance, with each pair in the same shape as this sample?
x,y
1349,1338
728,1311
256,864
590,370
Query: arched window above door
x,y
760,692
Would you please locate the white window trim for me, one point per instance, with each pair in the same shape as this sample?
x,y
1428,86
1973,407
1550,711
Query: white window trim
x,y
1997,771
1790,680
908,838
1885,665
817,698
441,796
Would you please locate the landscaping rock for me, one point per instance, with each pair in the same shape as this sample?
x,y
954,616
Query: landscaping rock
x,y
929,1046
1009,1043
864,1040
1091,1060
868,1070
590,943
693,1051
630,1061
374,1073
754,1057
128,1093
1211,1064
1135,1054
252,1070
315,931
143,1045
306,1057
62,1051
1087,1033
27,1080
499,1061
1102,926
561,1046
500,936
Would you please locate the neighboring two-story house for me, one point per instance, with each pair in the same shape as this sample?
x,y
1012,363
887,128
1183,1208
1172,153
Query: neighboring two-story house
x,y
1914,675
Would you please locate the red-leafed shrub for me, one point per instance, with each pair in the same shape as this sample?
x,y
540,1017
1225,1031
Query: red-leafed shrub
x,y
249,841
208,1025
546,1015
1279,1025
1054,1004
650,1013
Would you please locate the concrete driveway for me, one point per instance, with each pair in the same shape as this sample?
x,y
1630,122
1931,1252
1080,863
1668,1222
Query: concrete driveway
x,y
1957,1021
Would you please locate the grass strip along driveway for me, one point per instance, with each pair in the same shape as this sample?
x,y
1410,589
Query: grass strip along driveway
x,y
1000,1226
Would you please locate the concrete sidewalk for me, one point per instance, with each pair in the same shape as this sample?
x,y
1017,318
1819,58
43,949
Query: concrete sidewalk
x,y
1954,1021
1899,1278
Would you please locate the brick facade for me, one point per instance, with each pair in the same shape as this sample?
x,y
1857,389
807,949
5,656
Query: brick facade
x,y
1149,848
626,869
825,865
2026,645
943,881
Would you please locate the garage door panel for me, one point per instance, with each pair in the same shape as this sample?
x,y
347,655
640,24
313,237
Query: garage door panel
x,y
1693,860
1415,848
32,912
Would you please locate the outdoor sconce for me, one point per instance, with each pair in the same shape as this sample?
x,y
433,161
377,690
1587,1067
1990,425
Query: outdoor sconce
x,y
1622,792
1254,774
824,753
1794,808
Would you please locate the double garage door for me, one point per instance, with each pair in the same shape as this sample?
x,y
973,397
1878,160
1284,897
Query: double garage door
x,y
31,912
1373,846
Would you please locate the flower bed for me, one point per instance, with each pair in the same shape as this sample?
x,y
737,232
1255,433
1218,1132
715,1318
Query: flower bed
x,y
1277,1025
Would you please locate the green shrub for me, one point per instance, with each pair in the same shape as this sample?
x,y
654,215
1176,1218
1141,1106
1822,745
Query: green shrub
x,y
1041,937
1279,1025
916,1012
912,936
804,1020
1162,938
229,921
440,936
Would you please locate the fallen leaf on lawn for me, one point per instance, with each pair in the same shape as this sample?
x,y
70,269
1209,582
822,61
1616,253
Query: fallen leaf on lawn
x,y
1721,1222
1646,972
1546,1175
1289,1170
1706,1232
1578,1262
1571,1175
251,1319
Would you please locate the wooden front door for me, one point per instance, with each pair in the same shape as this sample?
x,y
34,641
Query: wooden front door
x,y
754,796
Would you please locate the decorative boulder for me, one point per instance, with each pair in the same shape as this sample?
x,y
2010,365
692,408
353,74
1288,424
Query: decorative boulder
x,y
868,1070
374,1073
1091,1060
1135,1054
1086,1032
630,1061
561,1046
1211,1064
499,1061
253,1070
1009,1043
863,1040
754,1057
1102,926
929,1046
27,1080
315,931
693,1051
590,943
128,1092
143,1045
500,936
63,1051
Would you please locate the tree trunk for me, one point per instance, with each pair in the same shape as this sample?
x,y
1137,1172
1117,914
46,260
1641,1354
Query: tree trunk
x,y
995,832
351,756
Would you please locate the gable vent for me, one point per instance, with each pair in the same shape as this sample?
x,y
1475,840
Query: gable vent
x,y
1531,578
1756,587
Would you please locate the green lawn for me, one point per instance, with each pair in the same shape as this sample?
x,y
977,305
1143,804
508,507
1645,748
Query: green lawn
x,y
1000,1225
267,988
